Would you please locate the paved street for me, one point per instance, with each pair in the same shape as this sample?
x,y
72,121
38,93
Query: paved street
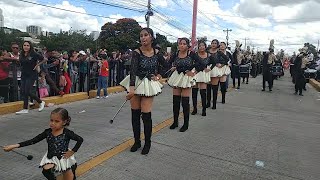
x,y
255,135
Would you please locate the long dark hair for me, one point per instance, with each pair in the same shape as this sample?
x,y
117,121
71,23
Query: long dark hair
x,y
64,114
185,39
217,41
31,51
153,40
203,42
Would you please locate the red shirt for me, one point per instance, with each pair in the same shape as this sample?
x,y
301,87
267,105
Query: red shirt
x,y
4,72
104,69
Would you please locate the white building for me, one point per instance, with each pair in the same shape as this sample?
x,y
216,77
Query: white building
x,y
1,19
34,30
95,35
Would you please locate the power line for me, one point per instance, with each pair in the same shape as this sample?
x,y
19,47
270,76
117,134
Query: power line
x,y
62,9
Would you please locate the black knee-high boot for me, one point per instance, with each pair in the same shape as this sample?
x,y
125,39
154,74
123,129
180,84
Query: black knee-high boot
x,y
215,95
147,123
223,91
209,87
203,101
48,173
176,111
195,100
73,169
186,113
136,127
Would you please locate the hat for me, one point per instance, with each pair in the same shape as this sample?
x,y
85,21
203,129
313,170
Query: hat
x,y
82,52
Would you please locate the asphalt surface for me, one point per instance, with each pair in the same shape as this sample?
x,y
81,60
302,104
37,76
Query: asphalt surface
x,y
255,135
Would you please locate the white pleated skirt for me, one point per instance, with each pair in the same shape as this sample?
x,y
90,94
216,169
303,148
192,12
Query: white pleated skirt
x,y
60,165
144,87
203,77
181,80
219,72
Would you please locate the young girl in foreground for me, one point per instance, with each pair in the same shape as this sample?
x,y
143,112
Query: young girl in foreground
x,y
58,159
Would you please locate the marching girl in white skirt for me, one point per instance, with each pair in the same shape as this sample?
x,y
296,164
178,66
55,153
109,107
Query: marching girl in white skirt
x,y
143,84
59,160
202,78
185,64
220,71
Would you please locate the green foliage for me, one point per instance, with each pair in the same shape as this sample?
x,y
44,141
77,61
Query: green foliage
x,y
65,41
162,41
120,36
7,39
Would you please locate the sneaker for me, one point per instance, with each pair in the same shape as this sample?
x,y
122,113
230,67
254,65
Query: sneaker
x,y
41,106
23,111
31,104
98,97
105,97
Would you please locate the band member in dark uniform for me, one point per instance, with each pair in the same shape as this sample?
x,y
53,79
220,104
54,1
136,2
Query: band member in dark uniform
x,y
268,61
219,72
213,49
299,67
202,79
143,84
237,58
185,65
245,63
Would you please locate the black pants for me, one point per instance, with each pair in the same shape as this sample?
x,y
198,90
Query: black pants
x,y
82,79
234,81
52,84
26,88
267,76
4,89
300,81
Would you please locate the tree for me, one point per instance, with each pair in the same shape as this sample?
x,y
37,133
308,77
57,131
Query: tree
x,y
162,41
66,41
120,36
7,38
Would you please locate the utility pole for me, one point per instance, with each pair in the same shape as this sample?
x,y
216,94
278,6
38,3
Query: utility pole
x,y
149,13
227,37
194,23
245,42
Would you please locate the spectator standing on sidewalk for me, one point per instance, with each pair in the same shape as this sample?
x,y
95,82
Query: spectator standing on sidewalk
x,y
28,59
103,76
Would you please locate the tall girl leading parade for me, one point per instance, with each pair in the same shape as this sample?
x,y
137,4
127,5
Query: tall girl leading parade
x,y
219,72
59,160
202,78
185,65
143,84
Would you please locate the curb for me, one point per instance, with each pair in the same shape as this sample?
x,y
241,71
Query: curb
x,y
315,84
12,107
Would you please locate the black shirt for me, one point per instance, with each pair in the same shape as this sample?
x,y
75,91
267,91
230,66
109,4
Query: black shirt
x,y
28,63
144,66
192,60
57,145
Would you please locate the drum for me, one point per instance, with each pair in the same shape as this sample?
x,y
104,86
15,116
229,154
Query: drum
x,y
244,69
277,70
310,73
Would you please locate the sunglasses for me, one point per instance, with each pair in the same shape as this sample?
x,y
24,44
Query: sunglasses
x,y
15,47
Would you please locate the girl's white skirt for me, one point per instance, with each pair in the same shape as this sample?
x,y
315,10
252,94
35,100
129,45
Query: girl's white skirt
x,y
219,72
203,77
61,165
147,87
181,80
